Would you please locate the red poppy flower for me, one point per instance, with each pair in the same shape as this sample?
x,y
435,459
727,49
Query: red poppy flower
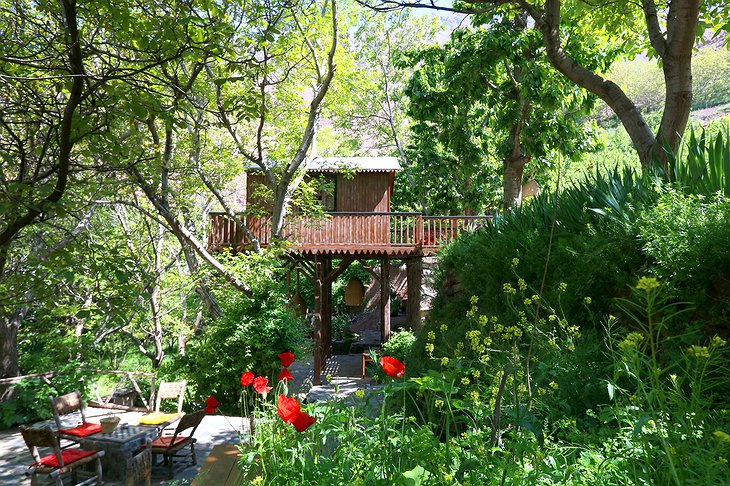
x,y
287,408
210,404
303,421
392,366
286,359
285,375
246,378
261,385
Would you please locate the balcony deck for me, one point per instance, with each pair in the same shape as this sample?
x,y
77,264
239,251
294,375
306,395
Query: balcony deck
x,y
349,233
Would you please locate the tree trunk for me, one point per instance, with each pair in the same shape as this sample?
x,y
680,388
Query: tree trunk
x,y
512,180
677,67
674,48
9,363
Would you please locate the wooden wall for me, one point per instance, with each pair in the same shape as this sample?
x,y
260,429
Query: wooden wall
x,y
366,192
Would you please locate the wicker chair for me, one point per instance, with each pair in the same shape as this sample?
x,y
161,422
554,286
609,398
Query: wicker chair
x,y
69,403
173,447
59,463
171,390
140,467
168,390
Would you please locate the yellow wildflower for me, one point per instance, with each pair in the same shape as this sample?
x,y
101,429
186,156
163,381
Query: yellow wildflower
x,y
515,262
718,342
508,289
439,403
522,284
360,393
444,361
647,284
699,351
465,381
587,301
631,341
443,328
563,286
431,336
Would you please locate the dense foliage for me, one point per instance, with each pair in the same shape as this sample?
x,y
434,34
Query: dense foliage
x,y
606,368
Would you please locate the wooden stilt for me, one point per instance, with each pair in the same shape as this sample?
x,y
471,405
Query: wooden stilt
x,y
385,299
318,288
326,308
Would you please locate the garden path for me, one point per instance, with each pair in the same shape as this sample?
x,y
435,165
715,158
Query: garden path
x,y
345,372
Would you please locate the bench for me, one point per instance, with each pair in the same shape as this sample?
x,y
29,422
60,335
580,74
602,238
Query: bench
x,y
220,468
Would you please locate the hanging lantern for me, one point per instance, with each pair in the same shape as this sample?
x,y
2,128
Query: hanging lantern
x,y
354,293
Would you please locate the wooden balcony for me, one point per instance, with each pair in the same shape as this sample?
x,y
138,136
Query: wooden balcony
x,y
349,233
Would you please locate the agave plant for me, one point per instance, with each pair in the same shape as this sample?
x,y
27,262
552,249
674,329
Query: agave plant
x,y
702,165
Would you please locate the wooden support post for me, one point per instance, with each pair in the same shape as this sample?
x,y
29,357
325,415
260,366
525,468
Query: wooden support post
x,y
414,279
326,308
318,281
385,299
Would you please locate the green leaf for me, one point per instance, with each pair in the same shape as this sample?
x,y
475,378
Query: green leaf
x,y
415,477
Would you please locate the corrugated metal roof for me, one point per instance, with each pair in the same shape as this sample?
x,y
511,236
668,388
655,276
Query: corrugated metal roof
x,y
365,164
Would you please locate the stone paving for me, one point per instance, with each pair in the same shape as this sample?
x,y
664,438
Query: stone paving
x,y
344,374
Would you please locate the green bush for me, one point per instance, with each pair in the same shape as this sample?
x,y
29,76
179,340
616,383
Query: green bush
x,y
249,336
31,402
400,345
686,239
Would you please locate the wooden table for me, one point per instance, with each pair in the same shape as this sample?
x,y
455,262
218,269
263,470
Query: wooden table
x,y
119,446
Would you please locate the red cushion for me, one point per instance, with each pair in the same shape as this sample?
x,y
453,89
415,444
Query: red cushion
x,y
84,430
165,442
69,456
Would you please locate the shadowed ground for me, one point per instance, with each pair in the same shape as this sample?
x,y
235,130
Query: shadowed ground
x,y
344,372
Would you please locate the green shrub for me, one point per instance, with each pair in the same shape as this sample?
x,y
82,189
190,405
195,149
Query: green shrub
x,y
31,402
249,336
400,345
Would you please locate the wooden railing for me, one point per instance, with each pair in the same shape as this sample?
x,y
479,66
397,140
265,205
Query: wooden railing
x,y
352,230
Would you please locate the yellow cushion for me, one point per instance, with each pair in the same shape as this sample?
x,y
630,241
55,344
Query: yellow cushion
x,y
156,418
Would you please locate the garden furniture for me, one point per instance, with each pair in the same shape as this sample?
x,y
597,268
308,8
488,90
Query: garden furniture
x,y
174,446
66,404
61,461
139,467
168,390
120,447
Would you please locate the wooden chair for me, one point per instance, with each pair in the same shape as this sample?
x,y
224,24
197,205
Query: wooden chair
x,y
62,461
140,467
168,390
69,403
171,390
173,446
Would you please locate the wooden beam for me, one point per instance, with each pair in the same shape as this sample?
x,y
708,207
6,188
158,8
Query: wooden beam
x,y
326,310
384,299
305,267
333,274
317,320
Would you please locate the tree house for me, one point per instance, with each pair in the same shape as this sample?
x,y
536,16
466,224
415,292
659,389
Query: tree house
x,y
358,225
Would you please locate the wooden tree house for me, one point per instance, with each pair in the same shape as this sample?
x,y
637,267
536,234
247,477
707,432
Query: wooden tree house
x,y
358,225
